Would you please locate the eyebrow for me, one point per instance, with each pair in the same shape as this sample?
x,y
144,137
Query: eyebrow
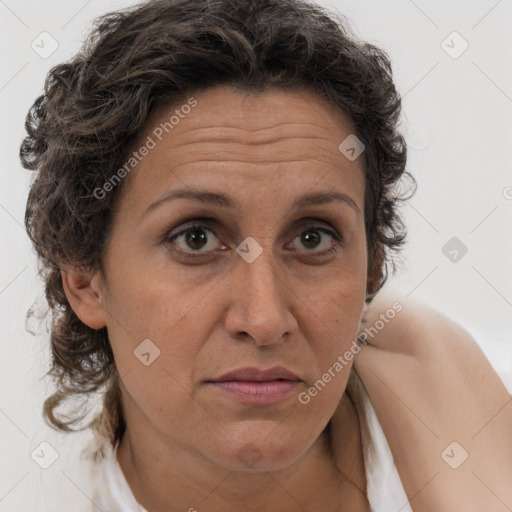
x,y
224,201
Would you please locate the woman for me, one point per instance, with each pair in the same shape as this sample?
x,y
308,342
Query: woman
x,y
214,209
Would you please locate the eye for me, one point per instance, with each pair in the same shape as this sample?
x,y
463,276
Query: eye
x,y
195,238
314,239
199,239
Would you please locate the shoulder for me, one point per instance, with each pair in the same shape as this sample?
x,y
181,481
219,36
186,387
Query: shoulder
x,y
397,325
420,351
431,385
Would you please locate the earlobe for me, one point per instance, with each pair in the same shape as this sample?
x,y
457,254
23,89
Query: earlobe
x,y
83,291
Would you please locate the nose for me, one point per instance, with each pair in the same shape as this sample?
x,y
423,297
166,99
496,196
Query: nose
x,y
259,305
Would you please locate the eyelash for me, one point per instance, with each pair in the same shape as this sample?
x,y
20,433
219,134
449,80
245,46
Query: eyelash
x,y
168,239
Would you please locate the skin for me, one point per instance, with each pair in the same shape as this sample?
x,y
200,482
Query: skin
x,y
431,385
423,373
186,443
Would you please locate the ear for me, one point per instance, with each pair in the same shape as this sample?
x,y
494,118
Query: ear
x,y
83,290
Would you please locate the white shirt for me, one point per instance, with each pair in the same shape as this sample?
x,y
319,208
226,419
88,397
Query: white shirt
x,y
384,488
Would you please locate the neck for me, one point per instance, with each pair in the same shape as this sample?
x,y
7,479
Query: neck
x,y
167,477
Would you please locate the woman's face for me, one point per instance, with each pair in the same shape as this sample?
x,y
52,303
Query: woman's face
x,y
265,280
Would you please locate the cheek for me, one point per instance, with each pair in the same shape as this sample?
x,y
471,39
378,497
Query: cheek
x,y
333,329
156,336
143,295
144,302
338,300
332,338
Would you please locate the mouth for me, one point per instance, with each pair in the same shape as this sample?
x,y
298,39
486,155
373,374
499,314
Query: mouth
x,y
252,386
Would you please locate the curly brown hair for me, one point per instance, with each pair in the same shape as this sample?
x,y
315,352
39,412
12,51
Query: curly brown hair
x,y
96,106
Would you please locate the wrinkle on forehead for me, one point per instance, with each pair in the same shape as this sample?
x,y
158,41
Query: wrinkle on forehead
x,y
243,135
259,115
286,149
275,127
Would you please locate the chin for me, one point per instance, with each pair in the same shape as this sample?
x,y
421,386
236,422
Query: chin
x,y
257,453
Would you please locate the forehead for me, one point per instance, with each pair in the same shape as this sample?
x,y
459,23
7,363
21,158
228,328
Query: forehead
x,y
256,115
243,141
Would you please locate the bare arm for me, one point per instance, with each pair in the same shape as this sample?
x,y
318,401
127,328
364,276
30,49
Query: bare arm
x,y
439,401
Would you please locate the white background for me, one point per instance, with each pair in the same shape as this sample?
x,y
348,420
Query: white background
x,y
456,120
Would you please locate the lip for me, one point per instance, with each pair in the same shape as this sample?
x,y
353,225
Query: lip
x,y
255,374
252,386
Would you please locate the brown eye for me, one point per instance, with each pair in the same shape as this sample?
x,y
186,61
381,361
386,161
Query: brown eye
x,y
196,238
310,239
314,238
199,240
